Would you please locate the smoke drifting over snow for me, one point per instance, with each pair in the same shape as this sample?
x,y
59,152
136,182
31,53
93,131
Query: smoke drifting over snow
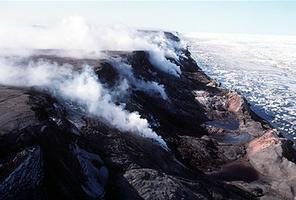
x,y
81,87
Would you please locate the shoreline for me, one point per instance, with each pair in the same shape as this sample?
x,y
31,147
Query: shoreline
x,y
262,71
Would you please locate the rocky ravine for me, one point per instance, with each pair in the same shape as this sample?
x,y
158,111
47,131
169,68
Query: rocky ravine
x,y
218,148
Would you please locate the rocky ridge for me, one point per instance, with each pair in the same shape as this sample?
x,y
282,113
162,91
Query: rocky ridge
x,y
218,147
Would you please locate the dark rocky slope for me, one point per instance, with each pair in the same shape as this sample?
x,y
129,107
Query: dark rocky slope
x,y
219,148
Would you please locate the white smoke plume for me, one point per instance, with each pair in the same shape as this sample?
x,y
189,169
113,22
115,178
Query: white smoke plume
x,y
126,71
81,87
74,36
158,59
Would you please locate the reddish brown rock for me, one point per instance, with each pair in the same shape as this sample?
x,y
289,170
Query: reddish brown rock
x,y
267,155
269,139
235,102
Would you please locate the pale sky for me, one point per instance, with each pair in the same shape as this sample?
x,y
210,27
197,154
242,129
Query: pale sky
x,y
251,17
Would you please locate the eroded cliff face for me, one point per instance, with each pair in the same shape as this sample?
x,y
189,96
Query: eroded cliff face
x,y
214,146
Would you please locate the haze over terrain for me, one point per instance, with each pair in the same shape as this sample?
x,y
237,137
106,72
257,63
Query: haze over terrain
x,y
247,17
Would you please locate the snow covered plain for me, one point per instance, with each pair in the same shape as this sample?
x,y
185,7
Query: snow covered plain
x,y
261,67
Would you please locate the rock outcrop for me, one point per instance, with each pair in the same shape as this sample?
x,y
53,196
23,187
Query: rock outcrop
x,y
218,148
